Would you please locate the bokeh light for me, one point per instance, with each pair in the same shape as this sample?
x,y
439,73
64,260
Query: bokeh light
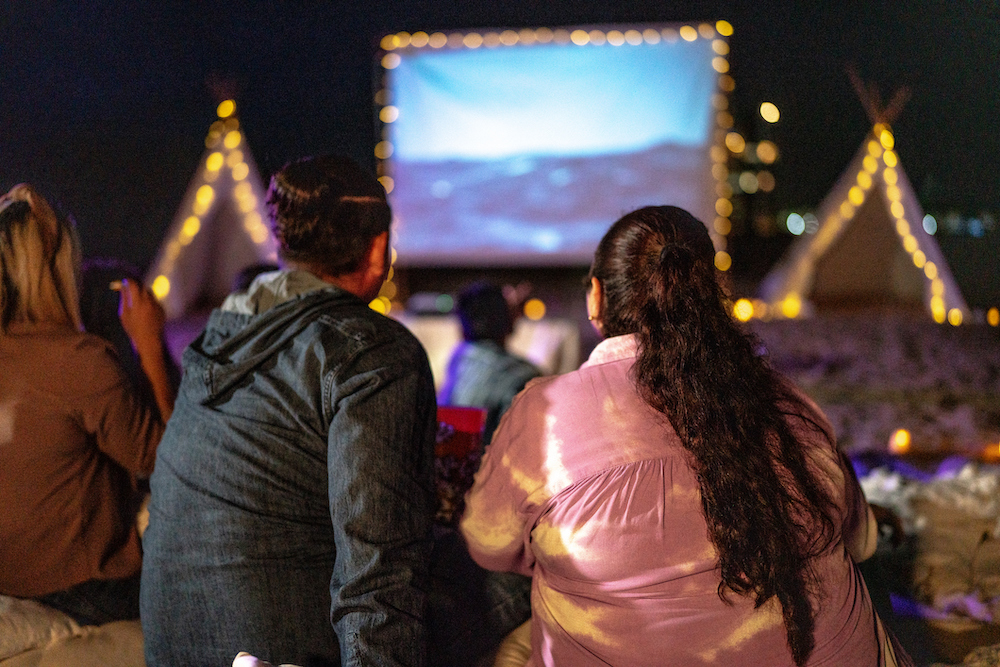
x,y
226,109
161,287
723,260
769,112
899,442
743,310
534,309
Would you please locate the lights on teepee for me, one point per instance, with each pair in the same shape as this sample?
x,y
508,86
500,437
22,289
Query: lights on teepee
x,y
993,317
161,287
226,109
743,310
723,260
791,306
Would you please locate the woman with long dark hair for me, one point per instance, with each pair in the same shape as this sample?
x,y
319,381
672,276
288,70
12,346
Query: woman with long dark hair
x,y
676,501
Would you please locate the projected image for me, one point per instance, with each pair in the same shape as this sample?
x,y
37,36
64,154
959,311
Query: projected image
x,y
526,154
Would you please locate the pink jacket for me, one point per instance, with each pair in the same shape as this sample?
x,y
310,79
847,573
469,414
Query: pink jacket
x,y
587,488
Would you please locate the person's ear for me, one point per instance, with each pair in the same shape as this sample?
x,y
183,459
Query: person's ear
x,y
377,264
595,302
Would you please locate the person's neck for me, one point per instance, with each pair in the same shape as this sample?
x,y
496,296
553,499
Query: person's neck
x,y
353,282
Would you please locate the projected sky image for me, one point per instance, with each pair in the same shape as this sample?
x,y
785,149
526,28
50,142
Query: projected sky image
x,y
526,154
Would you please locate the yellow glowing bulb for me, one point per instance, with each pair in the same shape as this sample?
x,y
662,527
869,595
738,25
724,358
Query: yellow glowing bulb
x,y
919,259
380,305
893,193
437,40
226,109
890,159
769,112
508,38
473,40
930,270
234,158
161,287
791,306
724,28
846,209
724,207
232,139
897,209
899,443
954,317
389,42
886,139
651,36
191,226
534,309
616,38
864,180
856,196
723,260
688,33
735,142
388,114
743,310
387,183
874,149
993,317
767,152
241,171
937,287
383,150
722,226
391,61
890,176
579,37
720,64
721,47
214,162
205,194
902,227
910,244
870,164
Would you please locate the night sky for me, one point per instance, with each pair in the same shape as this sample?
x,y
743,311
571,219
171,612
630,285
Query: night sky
x,y
105,106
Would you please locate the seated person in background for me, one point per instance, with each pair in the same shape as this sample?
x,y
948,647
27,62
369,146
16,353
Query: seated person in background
x,y
481,373
294,489
676,501
74,435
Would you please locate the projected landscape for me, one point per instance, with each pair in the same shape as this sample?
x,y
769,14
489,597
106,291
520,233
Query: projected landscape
x,y
525,155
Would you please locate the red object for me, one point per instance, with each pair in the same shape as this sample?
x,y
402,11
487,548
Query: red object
x,y
460,430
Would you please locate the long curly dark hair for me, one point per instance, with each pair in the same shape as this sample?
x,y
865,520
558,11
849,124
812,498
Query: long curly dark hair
x,y
767,515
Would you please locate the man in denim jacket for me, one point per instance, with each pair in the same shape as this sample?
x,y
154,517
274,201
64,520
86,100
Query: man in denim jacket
x,y
293,490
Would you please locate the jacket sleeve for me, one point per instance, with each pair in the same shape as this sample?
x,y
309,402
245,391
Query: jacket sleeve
x,y
124,427
380,466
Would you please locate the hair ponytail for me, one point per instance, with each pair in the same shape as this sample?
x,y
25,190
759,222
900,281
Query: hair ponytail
x,y
767,517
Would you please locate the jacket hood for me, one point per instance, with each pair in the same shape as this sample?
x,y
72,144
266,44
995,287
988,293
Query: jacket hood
x,y
249,327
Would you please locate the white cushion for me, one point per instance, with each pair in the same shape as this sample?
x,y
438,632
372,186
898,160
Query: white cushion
x,y
27,624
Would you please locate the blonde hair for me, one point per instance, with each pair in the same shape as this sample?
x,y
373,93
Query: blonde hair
x,y
39,262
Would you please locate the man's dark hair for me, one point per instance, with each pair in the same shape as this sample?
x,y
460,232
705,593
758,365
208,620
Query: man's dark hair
x,y
325,211
484,313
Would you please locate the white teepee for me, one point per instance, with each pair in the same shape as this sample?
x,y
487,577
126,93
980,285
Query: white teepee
x,y
870,247
219,228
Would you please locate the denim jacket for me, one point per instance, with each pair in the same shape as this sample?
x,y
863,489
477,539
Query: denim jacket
x,y
293,490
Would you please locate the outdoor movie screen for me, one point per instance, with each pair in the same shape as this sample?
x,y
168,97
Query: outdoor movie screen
x,y
524,154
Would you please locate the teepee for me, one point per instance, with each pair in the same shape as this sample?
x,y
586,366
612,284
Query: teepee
x,y
219,228
870,248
